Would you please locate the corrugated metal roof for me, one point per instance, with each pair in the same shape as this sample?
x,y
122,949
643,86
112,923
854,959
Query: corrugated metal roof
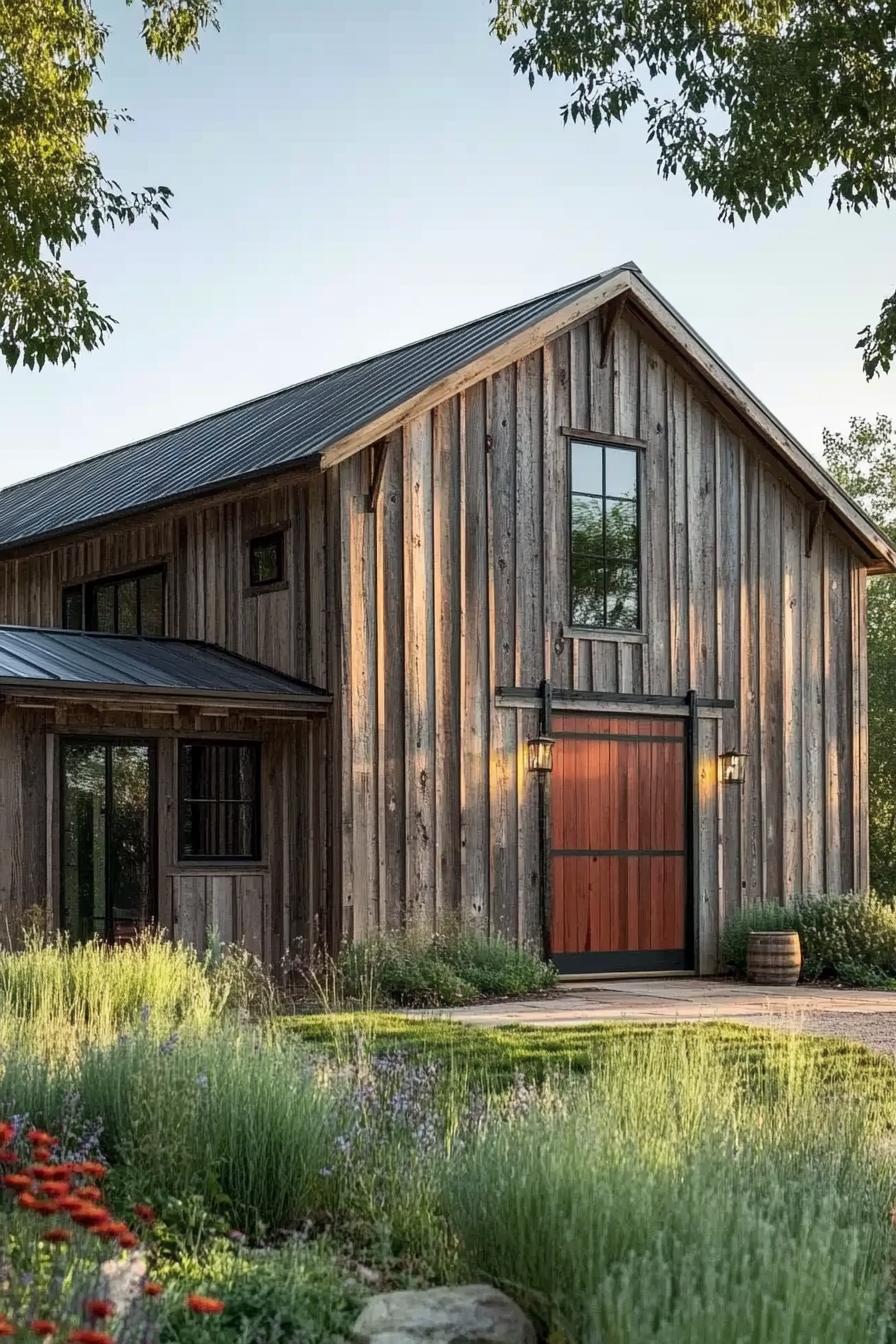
x,y
259,436
76,659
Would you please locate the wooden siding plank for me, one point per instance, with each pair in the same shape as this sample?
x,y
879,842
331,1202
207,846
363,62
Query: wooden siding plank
x,y
477,685
793,690
447,666
555,531
419,674
813,790
770,636
655,542
679,631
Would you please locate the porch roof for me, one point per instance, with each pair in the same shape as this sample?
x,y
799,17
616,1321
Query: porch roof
x,y
57,663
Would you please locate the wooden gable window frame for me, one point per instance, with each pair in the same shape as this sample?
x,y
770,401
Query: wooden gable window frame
x,y
602,627
271,540
81,602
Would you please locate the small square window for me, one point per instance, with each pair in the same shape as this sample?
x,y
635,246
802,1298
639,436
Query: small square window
x,y
266,564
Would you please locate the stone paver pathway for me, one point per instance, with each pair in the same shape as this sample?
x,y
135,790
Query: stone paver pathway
x,y
862,1015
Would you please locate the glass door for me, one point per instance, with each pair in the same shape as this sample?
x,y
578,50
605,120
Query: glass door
x,y
108,875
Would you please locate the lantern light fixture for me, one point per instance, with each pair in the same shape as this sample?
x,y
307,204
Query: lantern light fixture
x,y
541,754
733,766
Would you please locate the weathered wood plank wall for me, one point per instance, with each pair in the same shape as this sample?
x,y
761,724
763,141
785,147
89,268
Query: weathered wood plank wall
x,y
457,583
464,586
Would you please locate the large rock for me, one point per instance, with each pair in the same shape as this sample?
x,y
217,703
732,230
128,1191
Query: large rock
x,y
473,1314
122,1281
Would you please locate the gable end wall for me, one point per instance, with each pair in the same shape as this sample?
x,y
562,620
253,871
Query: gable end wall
x,y
458,584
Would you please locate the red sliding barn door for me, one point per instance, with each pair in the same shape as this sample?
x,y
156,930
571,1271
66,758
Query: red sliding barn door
x,y
619,863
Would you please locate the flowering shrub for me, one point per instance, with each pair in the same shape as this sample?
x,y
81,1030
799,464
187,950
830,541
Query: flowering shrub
x,y
61,1266
408,969
848,938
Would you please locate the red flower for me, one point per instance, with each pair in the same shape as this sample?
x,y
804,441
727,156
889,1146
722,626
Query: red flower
x,y
42,1328
109,1231
152,1289
7,1329
95,1169
99,1308
7,1132
146,1213
205,1306
127,1241
17,1181
88,1336
57,1235
70,1202
45,1207
8,1158
41,1153
90,1192
28,1201
88,1215
42,1171
55,1189
41,1139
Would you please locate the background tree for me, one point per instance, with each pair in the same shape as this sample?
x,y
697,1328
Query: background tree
x,y
748,99
864,462
53,191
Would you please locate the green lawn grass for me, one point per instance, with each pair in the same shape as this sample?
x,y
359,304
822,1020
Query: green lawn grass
x,y
495,1055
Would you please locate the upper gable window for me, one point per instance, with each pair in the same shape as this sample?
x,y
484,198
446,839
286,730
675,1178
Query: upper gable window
x,y
266,560
605,558
128,604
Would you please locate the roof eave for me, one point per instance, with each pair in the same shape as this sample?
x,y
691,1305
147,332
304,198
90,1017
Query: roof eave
x,y
310,465
299,703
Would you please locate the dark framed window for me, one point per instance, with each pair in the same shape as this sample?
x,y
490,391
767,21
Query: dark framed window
x,y
266,560
126,604
604,536
218,800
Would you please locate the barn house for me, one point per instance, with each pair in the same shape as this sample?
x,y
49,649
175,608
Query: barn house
x,y
544,622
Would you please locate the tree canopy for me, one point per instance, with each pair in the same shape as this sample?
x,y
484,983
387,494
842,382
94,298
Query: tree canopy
x,y
53,191
864,462
750,100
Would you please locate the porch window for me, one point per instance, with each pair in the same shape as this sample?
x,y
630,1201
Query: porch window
x,y
605,553
218,800
127,604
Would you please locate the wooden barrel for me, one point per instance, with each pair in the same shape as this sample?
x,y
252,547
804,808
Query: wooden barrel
x,y
774,958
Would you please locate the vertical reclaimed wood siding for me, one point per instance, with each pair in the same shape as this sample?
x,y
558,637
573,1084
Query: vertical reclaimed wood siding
x,y
412,803
459,584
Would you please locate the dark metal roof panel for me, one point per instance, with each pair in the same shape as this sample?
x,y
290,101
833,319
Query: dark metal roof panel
x,y
270,433
75,658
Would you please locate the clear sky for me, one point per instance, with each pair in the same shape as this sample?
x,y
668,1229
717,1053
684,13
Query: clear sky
x,y
352,176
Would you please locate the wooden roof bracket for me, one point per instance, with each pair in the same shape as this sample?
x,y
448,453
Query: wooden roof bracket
x,y
818,513
612,313
377,467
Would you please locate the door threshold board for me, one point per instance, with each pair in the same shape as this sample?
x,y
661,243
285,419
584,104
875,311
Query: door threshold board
x,y
626,975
